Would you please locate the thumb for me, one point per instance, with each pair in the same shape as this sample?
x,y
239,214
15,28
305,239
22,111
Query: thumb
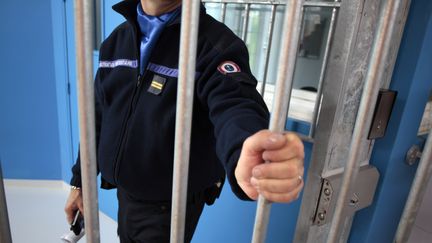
x,y
263,140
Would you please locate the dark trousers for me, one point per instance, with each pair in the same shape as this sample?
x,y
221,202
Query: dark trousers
x,y
149,221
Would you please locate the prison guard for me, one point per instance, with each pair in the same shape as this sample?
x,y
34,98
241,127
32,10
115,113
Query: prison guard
x,y
136,113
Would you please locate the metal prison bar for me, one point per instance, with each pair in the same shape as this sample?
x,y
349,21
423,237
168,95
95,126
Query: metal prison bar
x,y
185,94
5,233
268,48
418,190
84,44
376,68
322,72
285,77
335,5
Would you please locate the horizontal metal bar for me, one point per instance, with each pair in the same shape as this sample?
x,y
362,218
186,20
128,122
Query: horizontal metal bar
x,y
322,4
380,52
185,95
5,233
84,48
416,195
270,2
285,78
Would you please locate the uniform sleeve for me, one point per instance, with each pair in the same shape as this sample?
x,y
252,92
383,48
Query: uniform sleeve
x,y
76,168
236,109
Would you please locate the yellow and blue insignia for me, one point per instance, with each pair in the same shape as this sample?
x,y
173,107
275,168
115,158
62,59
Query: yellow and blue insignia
x,y
157,84
228,67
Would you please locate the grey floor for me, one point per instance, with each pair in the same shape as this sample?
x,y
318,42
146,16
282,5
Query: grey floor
x,y
36,214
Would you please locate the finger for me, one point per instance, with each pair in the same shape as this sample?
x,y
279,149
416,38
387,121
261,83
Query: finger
x,y
69,213
283,197
264,140
292,149
81,207
289,169
276,186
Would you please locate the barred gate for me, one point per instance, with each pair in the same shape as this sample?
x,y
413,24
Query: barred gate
x,y
335,170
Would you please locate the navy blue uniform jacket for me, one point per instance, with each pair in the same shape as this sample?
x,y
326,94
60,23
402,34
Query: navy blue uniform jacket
x,y
135,115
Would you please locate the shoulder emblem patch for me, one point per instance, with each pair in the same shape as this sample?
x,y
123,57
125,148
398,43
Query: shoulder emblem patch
x,y
228,67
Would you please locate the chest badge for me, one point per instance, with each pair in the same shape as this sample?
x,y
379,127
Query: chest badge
x,y
157,84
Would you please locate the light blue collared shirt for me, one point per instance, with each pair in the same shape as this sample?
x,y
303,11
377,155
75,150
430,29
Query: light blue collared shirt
x,y
151,27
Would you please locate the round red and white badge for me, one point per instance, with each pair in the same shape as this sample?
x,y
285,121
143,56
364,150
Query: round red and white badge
x,y
228,67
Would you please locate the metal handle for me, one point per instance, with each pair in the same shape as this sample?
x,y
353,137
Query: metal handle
x,y
413,154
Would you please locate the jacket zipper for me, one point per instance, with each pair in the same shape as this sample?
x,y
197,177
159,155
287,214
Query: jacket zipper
x,y
125,129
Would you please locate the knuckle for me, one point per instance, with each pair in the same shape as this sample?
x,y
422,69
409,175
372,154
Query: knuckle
x,y
298,148
261,133
67,208
272,187
299,169
295,143
286,198
247,140
292,169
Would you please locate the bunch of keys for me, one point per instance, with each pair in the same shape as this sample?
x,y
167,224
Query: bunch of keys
x,y
77,230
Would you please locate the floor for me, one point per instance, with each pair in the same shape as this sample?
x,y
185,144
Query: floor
x,y
36,214
422,230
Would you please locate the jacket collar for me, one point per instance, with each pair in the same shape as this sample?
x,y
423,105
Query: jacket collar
x,y
127,8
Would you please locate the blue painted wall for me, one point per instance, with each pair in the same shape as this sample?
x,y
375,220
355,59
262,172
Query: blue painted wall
x,y
62,77
110,18
412,78
29,135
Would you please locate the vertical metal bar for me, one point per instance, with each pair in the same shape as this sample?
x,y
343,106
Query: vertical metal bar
x,y
223,13
287,60
322,72
185,94
84,49
246,22
98,25
380,52
416,195
269,43
5,233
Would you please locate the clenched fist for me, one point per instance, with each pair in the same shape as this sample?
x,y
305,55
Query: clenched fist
x,y
280,180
